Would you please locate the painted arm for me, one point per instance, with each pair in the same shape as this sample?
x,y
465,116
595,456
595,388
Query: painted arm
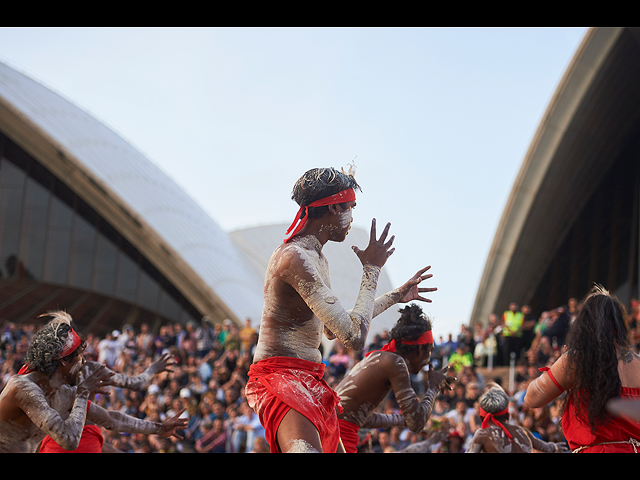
x,y
548,386
66,433
548,447
138,382
404,294
350,327
384,420
120,422
416,412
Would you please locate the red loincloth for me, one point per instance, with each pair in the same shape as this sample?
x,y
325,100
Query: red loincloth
x,y
279,383
90,442
349,435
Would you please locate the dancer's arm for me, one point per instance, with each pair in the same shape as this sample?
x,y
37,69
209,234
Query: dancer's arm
x,y
548,386
120,422
138,382
384,420
65,432
350,327
404,294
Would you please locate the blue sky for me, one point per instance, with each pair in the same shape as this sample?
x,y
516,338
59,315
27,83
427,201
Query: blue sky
x,y
437,121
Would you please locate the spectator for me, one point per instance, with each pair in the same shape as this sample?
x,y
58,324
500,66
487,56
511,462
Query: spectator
x,y
245,429
213,437
461,358
247,337
339,362
108,349
206,337
215,377
512,320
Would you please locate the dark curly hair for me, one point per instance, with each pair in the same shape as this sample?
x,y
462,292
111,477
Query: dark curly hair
x,y
319,183
47,343
410,326
595,341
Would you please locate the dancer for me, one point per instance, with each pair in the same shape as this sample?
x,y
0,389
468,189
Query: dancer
x,y
597,367
45,396
381,371
285,387
92,440
498,436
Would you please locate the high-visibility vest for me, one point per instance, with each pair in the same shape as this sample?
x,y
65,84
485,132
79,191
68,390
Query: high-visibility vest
x,y
513,324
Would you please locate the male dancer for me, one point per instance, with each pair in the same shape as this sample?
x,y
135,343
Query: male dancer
x,y
381,371
498,436
285,387
45,397
92,440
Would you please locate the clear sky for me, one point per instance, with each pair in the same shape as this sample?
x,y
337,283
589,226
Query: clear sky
x,y
436,120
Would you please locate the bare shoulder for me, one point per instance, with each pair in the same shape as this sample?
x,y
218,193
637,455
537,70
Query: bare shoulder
x,y
19,392
629,356
289,255
391,362
629,368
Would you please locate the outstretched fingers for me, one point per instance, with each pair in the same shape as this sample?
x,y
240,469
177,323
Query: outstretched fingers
x,y
425,290
372,233
419,276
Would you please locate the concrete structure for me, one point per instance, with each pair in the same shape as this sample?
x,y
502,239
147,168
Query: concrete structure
x,y
91,226
94,227
572,217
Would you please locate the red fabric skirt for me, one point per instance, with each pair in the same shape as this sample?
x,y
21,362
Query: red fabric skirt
x,y
610,438
90,442
349,435
278,384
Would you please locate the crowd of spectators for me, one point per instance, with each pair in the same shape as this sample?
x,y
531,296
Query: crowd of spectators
x,y
212,362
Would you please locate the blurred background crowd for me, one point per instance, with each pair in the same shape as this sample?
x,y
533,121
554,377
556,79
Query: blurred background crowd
x,y
212,362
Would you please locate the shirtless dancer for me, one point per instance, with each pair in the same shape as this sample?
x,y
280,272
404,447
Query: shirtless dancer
x,y
45,397
381,371
285,387
498,436
92,440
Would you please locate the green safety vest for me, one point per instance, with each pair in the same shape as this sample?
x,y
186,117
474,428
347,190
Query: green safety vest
x,y
513,324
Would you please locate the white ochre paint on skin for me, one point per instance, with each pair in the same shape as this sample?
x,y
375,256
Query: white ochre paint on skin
x,y
300,446
415,412
287,332
293,338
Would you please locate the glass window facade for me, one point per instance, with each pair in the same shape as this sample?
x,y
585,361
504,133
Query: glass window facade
x,y
57,252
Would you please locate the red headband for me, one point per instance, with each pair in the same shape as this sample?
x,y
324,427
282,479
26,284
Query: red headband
x,y
73,342
348,195
425,338
492,417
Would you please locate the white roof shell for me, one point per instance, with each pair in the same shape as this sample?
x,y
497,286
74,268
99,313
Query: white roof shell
x,y
141,201
221,274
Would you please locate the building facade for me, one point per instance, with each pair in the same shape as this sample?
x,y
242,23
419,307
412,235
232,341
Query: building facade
x,y
572,218
91,226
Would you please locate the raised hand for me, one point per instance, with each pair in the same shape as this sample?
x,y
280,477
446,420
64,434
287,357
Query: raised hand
x,y
163,364
410,290
378,251
441,378
170,425
96,383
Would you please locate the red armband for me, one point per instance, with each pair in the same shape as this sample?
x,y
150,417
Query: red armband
x,y
548,370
